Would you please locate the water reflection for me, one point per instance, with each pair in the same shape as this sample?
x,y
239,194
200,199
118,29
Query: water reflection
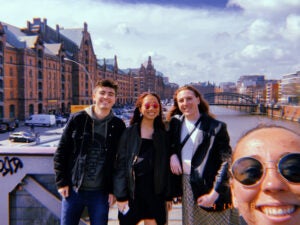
x,y
239,122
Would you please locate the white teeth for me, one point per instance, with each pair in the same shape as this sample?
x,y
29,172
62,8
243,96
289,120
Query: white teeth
x,y
278,211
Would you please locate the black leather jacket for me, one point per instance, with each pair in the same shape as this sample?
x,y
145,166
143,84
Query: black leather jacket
x,y
124,178
70,155
212,153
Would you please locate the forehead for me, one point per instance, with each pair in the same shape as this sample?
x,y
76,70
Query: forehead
x,y
105,89
150,98
185,94
268,143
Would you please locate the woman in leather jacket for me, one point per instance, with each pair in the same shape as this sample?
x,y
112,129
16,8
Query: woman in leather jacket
x,y
142,165
199,153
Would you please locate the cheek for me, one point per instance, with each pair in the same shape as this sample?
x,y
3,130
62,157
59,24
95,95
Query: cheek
x,y
295,189
243,197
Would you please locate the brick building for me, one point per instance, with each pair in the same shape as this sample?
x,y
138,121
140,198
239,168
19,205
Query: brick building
x,y
46,70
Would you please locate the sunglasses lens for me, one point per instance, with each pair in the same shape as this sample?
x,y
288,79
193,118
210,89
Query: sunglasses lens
x,y
289,167
248,171
155,106
147,106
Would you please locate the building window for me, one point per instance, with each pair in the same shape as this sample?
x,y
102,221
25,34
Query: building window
x,y
40,64
40,53
40,85
31,109
1,46
11,72
1,112
40,96
40,108
40,74
12,111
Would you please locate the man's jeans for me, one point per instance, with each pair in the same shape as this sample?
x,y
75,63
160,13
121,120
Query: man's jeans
x,y
73,206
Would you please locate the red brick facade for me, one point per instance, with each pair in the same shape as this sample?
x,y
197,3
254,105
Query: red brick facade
x,y
43,70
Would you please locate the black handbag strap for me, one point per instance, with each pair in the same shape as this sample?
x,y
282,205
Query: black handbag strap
x,y
188,135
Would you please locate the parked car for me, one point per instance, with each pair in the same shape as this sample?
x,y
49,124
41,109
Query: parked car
x,y
60,120
5,127
22,136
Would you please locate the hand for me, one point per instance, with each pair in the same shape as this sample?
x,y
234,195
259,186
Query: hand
x,y
111,200
122,206
175,165
208,200
64,191
169,205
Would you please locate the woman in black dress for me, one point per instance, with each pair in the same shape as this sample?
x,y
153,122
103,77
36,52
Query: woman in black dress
x,y
142,166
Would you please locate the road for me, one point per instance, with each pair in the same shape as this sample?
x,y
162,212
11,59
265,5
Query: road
x,y
49,136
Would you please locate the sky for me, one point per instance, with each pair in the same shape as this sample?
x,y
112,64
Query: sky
x,y
188,40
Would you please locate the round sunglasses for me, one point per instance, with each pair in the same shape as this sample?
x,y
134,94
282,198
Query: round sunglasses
x,y
250,171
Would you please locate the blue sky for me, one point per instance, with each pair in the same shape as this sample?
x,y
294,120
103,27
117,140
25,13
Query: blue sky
x,y
178,3
188,40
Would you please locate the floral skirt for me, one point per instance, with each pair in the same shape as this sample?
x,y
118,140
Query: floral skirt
x,y
192,214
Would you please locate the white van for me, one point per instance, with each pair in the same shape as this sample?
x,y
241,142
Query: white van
x,y
46,120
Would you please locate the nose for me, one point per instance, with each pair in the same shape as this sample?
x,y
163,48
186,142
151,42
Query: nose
x,y
273,181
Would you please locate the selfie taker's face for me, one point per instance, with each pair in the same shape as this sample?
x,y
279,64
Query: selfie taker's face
x,y
263,194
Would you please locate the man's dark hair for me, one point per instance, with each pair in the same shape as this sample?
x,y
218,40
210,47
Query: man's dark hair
x,y
107,83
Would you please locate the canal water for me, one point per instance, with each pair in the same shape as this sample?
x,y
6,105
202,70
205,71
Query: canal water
x,y
239,122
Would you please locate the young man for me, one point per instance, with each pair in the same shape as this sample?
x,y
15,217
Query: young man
x,y
84,159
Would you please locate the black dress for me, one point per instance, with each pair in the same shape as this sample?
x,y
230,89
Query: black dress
x,y
146,204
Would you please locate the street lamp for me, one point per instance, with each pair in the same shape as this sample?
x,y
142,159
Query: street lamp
x,y
84,69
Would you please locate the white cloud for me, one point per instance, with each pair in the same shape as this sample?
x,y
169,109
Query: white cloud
x,y
187,45
260,30
291,31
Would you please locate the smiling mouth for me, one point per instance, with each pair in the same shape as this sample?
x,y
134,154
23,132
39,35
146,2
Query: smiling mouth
x,y
278,210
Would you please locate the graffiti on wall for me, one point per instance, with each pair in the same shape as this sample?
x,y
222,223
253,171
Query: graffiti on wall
x,y
10,165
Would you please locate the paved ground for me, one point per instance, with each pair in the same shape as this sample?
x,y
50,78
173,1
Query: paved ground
x,y
175,216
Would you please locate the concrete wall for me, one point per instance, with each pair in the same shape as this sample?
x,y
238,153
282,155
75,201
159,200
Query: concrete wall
x,y
28,193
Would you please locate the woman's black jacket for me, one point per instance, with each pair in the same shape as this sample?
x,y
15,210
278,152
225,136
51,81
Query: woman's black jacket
x,y
124,178
209,165
70,155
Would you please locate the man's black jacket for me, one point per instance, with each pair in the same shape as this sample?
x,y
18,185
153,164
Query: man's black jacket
x,y
69,158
